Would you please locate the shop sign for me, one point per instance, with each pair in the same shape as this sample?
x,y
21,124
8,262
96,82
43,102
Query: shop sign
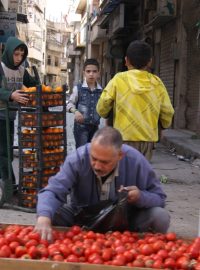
x,y
7,25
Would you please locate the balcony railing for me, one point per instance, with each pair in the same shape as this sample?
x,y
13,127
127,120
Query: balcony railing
x,y
54,46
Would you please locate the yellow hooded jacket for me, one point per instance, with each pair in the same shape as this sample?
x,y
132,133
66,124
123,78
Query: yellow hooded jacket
x,y
139,100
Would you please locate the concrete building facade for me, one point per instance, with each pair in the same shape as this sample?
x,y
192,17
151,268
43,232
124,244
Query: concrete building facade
x,y
172,27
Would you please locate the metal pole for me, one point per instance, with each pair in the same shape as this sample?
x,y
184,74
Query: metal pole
x,y
8,182
87,29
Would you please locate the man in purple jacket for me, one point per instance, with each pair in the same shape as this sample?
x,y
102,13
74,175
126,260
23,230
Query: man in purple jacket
x,y
99,171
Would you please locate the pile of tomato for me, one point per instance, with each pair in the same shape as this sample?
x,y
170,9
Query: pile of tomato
x,y
158,251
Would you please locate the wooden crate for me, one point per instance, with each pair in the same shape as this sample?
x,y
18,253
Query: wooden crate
x,y
19,264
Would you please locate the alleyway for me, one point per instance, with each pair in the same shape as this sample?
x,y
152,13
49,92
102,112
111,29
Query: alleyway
x,y
181,185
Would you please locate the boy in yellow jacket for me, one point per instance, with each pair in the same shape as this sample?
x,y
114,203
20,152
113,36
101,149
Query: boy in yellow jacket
x,y
139,100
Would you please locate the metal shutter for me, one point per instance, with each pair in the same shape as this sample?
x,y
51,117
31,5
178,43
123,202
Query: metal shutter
x,y
167,66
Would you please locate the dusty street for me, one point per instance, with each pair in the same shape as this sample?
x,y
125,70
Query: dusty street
x,y
182,187
183,191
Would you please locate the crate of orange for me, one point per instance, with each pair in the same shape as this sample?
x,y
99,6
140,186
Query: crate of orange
x,y
45,95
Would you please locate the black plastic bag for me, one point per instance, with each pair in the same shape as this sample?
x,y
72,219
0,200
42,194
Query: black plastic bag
x,y
105,216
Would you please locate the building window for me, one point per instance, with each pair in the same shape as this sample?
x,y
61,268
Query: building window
x,y
56,61
49,60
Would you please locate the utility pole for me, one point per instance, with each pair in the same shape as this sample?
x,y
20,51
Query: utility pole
x,y
87,36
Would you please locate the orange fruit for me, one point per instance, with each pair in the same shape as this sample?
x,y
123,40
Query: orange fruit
x,y
32,89
58,89
47,88
43,87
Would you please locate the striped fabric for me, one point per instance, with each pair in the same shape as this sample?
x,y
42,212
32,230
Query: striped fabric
x,y
138,99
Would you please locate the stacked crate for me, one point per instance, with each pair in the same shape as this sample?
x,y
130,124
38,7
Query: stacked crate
x,y
42,140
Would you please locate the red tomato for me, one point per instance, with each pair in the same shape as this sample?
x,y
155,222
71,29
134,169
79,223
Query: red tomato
x,y
97,261
34,235
107,254
117,234
13,245
149,263
3,241
44,242
6,249
67,241
72,258
69,234
175,254
77,250
31,243
14,228
58,257
194,249
183,263
65,250
93,257
53,251
20,250
90,235
43,251
120,249
33,252
23,239
158,264
119,260
169,263
129,256
146,249
10,236
162,253
75,229
159,244
151,239
170,236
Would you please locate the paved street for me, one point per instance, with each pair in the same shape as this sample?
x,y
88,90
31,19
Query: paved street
x,y
181,185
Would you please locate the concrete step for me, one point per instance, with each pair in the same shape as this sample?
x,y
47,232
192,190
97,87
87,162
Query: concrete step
x,y
184,142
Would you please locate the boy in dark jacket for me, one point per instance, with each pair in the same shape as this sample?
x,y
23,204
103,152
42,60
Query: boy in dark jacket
x,y
82,103
13,77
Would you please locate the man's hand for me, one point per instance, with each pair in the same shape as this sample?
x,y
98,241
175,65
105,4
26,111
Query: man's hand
x,y
78,117
19,97
43,227
133,193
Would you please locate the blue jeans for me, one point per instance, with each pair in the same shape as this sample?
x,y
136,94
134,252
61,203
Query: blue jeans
x,y
83,133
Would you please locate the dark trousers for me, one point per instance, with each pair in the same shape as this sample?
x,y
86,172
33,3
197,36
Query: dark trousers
x,y
83,133
4,150
155,219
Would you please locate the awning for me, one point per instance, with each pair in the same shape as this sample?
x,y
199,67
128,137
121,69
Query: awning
x,y
110,6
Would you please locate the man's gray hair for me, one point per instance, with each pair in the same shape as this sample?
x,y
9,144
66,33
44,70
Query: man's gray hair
x,y
108,136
